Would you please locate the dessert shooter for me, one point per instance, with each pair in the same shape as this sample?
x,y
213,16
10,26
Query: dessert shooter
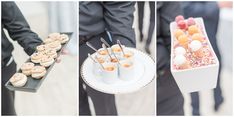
x,y
18,80
116,49
109,73
38,72
26,68
126,70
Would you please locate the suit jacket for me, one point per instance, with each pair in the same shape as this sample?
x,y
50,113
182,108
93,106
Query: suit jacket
x,y
166,13
116,17
16,25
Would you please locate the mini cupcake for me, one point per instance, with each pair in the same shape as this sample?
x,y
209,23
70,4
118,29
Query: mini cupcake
x,y
181,62
26,68
36,57
116,49
47,61
63,38
54,36
18,80
38,72
51,52
41,48
196,48
55,45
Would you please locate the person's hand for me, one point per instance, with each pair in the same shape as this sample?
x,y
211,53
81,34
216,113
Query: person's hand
x,y
64,52
225,4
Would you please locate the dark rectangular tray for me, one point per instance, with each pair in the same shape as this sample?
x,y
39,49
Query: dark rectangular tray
x,y
33,84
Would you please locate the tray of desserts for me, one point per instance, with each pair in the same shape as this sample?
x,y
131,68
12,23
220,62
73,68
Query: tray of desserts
x,y
33,72
118,69
194,64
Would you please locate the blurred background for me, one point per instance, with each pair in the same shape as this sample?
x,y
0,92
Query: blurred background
x,y
224,41
58,93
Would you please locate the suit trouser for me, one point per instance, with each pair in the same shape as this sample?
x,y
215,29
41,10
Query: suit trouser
x,y
169,98
104,104
7,95
217,93
152,19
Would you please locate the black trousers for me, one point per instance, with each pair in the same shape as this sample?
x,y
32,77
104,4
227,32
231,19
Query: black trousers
x,y
104,104
170,100
8,96
141,18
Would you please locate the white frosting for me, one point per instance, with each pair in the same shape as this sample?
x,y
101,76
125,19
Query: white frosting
x,y
195,45
48,63
180,51
179,60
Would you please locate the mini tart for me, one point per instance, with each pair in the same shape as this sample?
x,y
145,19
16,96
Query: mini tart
x,y
51,52
55,45
47,61
38,72
55,36
41,48
18,80
63,38
48,40
26,68
36,57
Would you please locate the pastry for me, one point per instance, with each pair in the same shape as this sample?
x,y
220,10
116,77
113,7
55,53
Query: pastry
x,y
183,40
36,57
181,62
54,36
196,48
55,45
198,36
191,21
26,68
182,24
47,61
193,29
18,80
180,51
41,48
51,52
63,38
38,72
48,40
178,33
116,48
179,18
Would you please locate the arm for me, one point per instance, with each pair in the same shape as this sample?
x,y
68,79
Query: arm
x,y
166,13
119,19
16,25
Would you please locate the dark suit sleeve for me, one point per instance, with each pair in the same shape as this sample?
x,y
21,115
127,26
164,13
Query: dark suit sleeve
x,y
166,13
119,19
16,25
200,9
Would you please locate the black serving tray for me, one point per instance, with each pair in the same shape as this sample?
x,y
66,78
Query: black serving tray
x,y
33,84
